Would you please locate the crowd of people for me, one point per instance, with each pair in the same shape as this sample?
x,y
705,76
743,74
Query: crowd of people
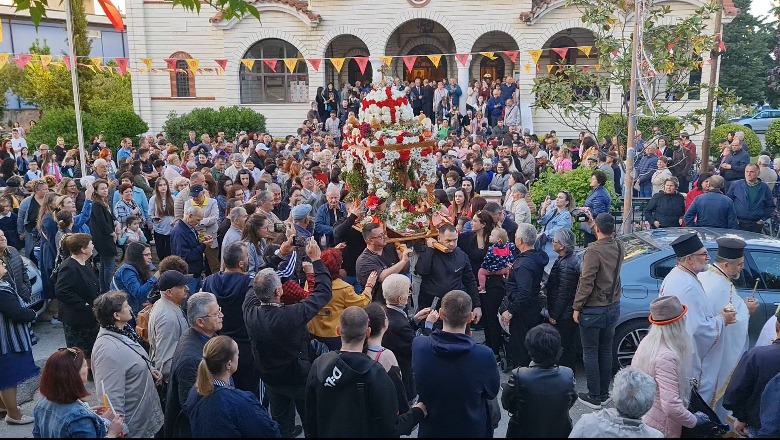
x,y
220,287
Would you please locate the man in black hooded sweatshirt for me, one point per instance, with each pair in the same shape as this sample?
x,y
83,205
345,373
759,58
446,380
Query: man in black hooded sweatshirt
x,y
348,394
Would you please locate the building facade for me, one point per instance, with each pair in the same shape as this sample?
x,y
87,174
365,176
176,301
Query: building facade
x,y
347,28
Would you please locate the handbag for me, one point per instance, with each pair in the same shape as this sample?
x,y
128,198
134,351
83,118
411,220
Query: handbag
x,y
711,429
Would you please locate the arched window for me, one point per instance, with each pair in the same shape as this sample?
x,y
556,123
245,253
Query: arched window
x,y
571,53
261,85
182,80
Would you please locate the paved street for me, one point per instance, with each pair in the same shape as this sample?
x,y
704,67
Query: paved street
x,y
51,338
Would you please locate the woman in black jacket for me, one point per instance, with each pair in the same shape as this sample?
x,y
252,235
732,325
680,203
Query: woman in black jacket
x,y
76,287
102,226
666,208
561,287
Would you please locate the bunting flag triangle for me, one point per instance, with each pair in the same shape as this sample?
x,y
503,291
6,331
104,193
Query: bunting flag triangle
x,y
586,50
409,61
462,58
193,64
561,51
22,59
386,60
113,14
66,60
670,47
614,53
222,64
171,63
315,63
550,67
121,66
147,62
362,62
338,63
435,59
271,64
291,63
535,55
597,67
97,61
249,64
489,55
721,43
45,61
585,69
512,54
527,68
4,59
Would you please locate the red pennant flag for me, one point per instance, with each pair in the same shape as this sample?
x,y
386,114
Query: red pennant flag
x,y
721,44
113,14
585,69
361,62
271,64
66,60
511,54
562,51
22,59
670,47
462,58
171,62
121,64
615,53
222,64
315,63
409,61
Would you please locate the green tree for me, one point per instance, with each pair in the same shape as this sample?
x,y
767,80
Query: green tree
x,y
744,65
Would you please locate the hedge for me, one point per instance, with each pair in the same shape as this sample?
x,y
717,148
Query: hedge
x,y
611,125
116,124
773,138
722,131
231,120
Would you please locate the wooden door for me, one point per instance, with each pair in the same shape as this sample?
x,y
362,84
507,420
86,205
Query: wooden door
x,y
487,71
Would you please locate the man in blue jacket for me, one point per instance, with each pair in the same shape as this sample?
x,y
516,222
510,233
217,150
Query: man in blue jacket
x,y
712,209
495,108
186,243
752,200
733,166
328,215
455,91
456,377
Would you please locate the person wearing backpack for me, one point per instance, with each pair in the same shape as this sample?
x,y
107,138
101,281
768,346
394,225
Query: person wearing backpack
x,y
349,394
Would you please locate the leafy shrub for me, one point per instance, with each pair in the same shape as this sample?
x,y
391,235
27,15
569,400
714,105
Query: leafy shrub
x,y
60,122
231,120
120,123
576,182
773,138
722,131
611,125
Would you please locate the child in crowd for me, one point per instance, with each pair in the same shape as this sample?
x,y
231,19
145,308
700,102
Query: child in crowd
x,y
64,226
461,223
499,258
33,173
132,231
69,168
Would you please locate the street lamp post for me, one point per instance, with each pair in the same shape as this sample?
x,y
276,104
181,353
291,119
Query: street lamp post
x,y
75,80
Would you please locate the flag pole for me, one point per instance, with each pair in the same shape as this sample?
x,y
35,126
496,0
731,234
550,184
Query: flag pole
x,y
74,75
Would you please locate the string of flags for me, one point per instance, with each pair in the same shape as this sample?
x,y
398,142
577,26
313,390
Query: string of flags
x,y
194,66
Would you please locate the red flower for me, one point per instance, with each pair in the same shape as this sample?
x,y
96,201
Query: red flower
x,y
425,152
381,154
405,155
399,139
372,202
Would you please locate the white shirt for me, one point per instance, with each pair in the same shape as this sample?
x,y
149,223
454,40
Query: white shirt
x,y
17,145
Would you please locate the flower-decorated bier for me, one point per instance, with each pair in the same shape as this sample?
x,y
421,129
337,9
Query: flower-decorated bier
x,y
391,158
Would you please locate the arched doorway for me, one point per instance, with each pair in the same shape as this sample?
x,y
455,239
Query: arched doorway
x,y
491,69
347,46
263,85
501,65
424,67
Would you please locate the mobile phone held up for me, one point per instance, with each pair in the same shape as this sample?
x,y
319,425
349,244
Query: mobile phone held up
x,y
435,303
299,241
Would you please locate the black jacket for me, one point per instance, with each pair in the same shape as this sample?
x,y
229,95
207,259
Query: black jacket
x,y
665,208
101,226
743,394
539,400
350,395
184,371
562,285
280,339
523,283
18,272
343,232
184,243
482,182
398,338
442,272
77,287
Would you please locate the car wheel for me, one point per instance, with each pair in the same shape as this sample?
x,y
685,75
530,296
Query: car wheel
x,y
627,338
748,127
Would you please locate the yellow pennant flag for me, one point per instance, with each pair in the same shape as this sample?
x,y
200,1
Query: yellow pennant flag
x,y
597,67
586,50
550,68
338,63
96,60
147,62
46,60
489,55
527,68
386,60
193,63
435,59
3,59
248,63
291,63
535,55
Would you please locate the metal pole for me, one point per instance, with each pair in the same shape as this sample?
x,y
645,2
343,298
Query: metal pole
x,y
628,217
709,116
74,75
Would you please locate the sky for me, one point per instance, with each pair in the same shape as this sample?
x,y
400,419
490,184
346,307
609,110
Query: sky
x,y
757,8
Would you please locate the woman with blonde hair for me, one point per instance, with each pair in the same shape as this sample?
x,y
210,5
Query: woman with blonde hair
x,y
666,354
563,161
173,168
217,409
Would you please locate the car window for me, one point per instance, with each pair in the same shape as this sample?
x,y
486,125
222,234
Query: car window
x,y
661,269
768,264
633,247
760,115
775,114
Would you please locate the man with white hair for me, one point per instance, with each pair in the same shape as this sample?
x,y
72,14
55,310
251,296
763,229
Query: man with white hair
x,y
328,215
186,243
238,217
236,164
765,172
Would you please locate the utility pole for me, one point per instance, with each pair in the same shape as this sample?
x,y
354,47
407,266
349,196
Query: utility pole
x,y
628,212
715,62
74,75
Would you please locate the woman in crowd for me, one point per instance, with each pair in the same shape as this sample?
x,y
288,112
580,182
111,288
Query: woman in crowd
x,y
105,154
77,286
378,323
126,206
14,193
460,206
7,169
245,180
179,185
123,368
471,96
598,201
215,408
173,168
666,208
23,161
500,178
254,235
223,186
556,215
68,187
516,177
16,357
47,230
104,229
561,287
700,186
539,396
294,179
50,166
661,174
467,185
613,160
139,180
517,205
323,326
62,411
134,276
666,355
563,162
161,214
295,197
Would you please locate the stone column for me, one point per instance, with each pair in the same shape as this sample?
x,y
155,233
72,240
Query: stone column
x,y
463,82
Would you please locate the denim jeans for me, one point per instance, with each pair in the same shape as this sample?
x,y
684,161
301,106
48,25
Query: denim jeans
x,y
646,191
284,400
597,349
107,267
